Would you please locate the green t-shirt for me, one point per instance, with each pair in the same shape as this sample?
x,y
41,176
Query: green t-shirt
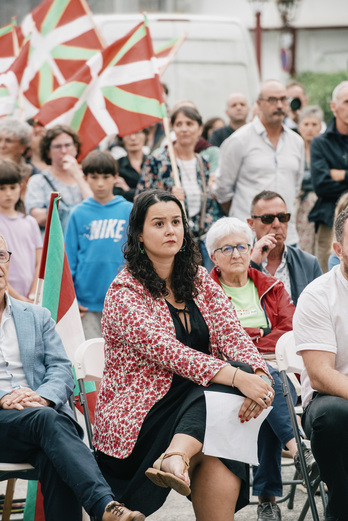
x,y
246,301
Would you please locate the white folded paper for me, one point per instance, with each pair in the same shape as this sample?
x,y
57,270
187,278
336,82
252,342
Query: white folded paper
x,y
225,435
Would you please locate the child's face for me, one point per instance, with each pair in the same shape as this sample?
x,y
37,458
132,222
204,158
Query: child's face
x,y
102,186
9,195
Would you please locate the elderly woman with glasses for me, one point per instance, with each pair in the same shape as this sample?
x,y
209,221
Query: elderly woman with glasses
x,y
265,311
59,148
14,142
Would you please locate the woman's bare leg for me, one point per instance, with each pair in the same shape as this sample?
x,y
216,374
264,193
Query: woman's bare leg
x,y
214,489
175,464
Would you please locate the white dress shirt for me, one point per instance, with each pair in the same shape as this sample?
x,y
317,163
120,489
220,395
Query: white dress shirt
x,y
249,164
12,374
282,272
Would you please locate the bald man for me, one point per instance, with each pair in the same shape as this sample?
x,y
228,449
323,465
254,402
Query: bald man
x,y
261,155
237,110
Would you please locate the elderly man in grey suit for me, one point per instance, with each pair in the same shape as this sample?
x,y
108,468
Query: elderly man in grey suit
x,y
36,424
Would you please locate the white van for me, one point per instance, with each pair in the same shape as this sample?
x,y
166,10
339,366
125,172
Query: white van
x,y
216,58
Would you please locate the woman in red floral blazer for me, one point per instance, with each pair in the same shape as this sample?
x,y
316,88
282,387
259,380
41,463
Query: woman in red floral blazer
x,y
169,331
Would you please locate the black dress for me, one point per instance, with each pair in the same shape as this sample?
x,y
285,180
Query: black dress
x,y
130,175
181,410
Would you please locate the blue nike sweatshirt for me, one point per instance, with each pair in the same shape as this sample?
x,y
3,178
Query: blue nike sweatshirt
x,y
94,238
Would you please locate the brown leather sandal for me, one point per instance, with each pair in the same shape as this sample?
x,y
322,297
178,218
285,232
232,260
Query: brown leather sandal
x,y
166,479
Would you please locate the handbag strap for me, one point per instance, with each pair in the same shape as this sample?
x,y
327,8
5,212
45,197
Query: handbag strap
x,y
54,189
204,194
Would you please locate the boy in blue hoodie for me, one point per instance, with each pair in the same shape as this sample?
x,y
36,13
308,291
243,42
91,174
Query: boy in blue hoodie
x,y
95,234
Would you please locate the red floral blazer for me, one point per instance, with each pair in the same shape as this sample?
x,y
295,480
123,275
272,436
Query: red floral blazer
x,y
142,353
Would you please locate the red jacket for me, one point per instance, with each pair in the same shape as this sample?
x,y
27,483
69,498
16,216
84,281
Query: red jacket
x,y
277,305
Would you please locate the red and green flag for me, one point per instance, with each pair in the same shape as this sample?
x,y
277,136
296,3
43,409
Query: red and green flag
x,y
166,52
56,292
10,93
8,45
117,91
55,289
63,37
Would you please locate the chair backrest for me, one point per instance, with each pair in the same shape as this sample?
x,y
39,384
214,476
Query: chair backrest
x,y
89,360
286,356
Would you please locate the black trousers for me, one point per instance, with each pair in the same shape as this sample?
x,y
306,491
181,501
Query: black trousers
x,y
325,422
69,475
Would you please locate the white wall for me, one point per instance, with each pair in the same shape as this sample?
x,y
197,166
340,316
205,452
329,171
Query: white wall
x,y
325,50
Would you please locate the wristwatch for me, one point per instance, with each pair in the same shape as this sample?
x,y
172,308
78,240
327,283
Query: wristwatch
x,y
266,379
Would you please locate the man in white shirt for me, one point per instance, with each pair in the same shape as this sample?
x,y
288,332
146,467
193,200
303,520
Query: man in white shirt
x,y
321,333
36,424
261,155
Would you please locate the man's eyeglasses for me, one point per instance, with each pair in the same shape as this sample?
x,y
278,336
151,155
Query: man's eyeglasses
x,y
68,146
5,256
228,250
272,100
268,218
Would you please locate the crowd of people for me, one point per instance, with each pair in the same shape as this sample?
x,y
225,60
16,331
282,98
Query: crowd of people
x,y
191,254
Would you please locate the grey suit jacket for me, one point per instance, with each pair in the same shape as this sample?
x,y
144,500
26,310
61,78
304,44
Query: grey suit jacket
x,y
45,363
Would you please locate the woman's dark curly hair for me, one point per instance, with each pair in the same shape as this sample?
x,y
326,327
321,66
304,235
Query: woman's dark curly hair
x,y
140,266
51,134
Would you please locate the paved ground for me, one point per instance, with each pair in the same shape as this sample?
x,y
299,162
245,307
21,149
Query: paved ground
x,y
178,508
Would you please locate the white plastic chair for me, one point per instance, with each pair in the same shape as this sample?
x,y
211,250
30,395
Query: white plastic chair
x,y
89,366
290,362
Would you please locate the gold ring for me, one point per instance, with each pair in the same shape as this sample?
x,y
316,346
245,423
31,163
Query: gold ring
x,y
252,407
270,394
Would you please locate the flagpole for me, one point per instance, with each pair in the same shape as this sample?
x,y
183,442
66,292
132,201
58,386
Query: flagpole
x,y
40,282
20,96
171,152
14,36
172,53
90,16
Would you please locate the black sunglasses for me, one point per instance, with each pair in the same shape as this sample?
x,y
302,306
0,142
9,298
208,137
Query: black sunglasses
x,y
268,218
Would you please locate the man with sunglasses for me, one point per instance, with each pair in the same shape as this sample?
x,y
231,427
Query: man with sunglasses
x,y
263,154
269,221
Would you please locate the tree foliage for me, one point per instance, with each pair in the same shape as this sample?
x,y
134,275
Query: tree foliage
x,y
319,87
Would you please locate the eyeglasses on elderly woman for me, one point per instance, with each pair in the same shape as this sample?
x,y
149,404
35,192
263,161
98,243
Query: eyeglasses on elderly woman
x,y
228,250
5,256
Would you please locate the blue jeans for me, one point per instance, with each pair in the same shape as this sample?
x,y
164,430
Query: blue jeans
x,y
275,432
207,262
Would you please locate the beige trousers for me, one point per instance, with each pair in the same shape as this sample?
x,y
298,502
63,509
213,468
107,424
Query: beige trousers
x,y
323,241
